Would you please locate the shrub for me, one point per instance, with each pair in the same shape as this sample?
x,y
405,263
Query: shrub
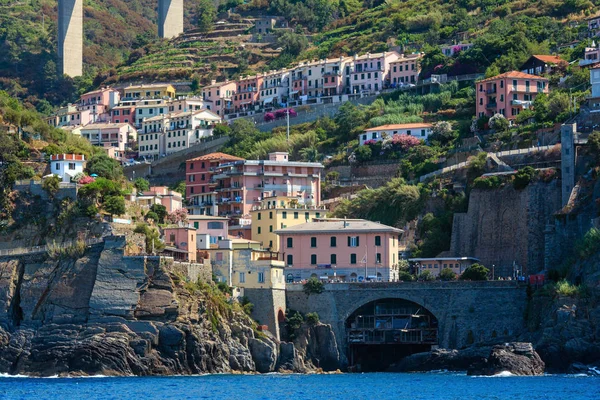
x,y
426,276
475,272
589,244
141,184
498,122
566,288
447,274
225,289
405,276
114,205
312,318
487,182
523,177
151,215
51,185
269,117
313,286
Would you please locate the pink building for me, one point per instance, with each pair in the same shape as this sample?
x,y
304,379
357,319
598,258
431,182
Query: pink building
x,y
215,227
591,55
371,72
241,184
170,199
247,93
180,243
508,94
405,69
125,112
219,96
109,135
199,185
346,249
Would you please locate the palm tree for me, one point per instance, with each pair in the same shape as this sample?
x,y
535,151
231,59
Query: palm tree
x,y
310,154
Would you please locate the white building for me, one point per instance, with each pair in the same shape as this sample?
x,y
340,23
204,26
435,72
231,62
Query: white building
x,y
66,166
187,128
419,130
149,108
452,50
275,88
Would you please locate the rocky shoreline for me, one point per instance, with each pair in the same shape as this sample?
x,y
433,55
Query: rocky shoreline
x,y
103,314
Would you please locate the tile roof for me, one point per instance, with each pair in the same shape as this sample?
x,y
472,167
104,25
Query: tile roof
x,y
549,59
216,156
416,125
333,225
513,74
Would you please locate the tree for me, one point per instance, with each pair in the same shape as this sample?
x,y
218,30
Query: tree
x,y
594,143
292,43
313,286
363,153
475,272
51,185
350,120
523,177
443,132
426,276
141,184
105,167
177,216
332,176
153,242
114,205
447,274
498,122
206,14
310,154
160,211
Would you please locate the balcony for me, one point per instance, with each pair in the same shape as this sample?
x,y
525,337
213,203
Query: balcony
x,y
491,105
521,103
491,91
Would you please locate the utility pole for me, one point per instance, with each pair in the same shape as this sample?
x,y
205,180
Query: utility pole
x,y
288,124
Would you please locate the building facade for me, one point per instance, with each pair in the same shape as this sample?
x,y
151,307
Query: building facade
x,y
508,94
340,249
151,91
272,213
66,166
219,96
379,133
405,70
109,135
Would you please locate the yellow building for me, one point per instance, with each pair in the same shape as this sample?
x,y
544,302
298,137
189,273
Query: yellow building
x,y
242,263
273,213
149,91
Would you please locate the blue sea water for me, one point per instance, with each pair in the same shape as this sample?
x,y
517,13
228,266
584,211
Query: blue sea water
x,y
376,386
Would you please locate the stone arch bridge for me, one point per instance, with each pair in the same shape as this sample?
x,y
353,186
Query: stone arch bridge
x,y
466,312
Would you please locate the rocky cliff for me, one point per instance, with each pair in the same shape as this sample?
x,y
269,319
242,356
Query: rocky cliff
x,y
108,314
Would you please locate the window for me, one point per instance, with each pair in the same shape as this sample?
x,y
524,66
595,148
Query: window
x,y
215,225
259,230
295,215
58,166
290,260
333,241
71,166
270,214
242,277
284,215
219,256
352,258
313,259
261,277
353,241
377,240
333,259
378,258
259,216
313,242
196,225
270,228
290,243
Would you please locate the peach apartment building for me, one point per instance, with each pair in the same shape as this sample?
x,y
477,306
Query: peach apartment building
x,y
508,94
346,249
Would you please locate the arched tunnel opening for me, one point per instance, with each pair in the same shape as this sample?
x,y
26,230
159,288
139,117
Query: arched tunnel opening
x,y
382,332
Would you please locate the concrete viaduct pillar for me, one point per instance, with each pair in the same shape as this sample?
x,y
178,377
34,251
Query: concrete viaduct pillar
x,y
170,18
70,37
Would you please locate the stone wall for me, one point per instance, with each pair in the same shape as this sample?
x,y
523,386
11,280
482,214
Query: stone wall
x,y
267,305
193,271
467,312
374,175
506,226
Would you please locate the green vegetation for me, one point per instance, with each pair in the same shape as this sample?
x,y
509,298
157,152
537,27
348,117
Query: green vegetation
x,y
523,177
51,185
475,272
153,242
426,276
312,318
313,286
141,184
589,245
447,274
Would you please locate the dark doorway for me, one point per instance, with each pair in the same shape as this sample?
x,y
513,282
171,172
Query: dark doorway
x,y
382,332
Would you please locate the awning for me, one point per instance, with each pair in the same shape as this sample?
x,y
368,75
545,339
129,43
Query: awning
x,y
268,100
294,92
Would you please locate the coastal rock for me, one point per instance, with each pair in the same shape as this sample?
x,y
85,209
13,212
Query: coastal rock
x,y
441,359
317,347
289,359
106,314
516,358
